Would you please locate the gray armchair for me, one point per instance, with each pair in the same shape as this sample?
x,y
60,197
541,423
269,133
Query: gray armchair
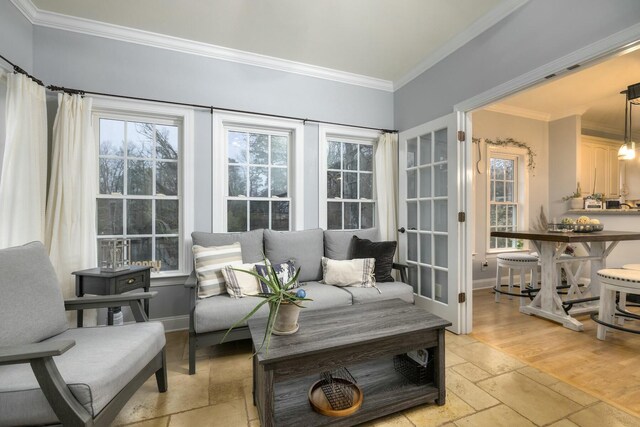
x,y
50,374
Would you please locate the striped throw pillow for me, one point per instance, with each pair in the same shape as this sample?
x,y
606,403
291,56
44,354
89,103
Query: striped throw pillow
x,y
209,262
352,272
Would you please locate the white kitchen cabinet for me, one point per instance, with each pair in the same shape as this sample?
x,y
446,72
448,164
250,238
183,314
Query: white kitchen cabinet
x,y
599,163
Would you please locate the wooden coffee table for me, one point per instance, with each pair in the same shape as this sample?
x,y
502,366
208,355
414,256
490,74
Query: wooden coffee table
x,y
362,337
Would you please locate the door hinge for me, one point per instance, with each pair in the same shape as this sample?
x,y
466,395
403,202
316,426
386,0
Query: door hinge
x,y
462,297
462,136
462,217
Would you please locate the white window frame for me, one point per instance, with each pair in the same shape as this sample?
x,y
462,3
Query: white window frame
x,y
220,185
347,134
521,189
104,107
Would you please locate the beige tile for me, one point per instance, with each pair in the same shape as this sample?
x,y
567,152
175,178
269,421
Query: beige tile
x,y
222,392
232,413
395,420
254,423
528,397
452,359
538,376
185,392
604,415
493,361
498,416
471,372
574,394
469,392
434,415
457,340
252,411
231,367
156,422
563,423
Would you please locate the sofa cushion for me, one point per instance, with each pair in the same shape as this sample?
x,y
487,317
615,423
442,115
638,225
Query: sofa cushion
x,y
304,248
388,290
337,243
325,296
103,361
250,241
28,286
220,312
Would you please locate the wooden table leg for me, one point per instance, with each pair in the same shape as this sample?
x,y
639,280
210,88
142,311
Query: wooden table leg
x,y
547,302
440,368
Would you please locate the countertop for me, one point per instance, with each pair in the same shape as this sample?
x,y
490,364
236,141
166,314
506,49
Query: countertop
x,y
597,212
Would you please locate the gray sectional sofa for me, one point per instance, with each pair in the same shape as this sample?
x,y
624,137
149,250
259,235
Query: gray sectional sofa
x,y
210,318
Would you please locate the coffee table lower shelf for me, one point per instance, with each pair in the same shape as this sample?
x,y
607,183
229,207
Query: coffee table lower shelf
x,y
385,391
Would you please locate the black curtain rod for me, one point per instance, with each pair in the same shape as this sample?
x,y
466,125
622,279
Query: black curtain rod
x,y
21,71
184,104
208,107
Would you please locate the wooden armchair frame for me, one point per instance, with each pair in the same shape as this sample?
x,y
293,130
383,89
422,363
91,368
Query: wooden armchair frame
x,y
64,404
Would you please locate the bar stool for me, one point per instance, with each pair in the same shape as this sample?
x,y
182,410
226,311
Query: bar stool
x,y
516,262
612,280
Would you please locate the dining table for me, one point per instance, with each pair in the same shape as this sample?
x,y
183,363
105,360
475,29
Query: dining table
x,y
551,246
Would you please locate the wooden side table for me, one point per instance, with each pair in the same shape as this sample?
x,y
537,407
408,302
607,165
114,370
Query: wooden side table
x,y
96,282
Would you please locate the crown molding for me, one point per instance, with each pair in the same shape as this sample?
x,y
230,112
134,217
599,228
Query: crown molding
x,y
599,127
146,38
482,24
519,112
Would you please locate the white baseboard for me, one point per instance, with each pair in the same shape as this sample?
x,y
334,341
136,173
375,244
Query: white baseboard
x,y
174,323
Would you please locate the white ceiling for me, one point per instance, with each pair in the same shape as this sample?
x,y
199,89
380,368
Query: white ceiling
x,y
593,92
384,39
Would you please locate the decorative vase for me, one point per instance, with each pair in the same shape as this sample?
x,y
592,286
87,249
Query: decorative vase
x,y
576,203
286,322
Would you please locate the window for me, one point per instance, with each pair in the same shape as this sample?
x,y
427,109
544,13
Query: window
x,y
506,202
262,188
142,187
347,181
258,179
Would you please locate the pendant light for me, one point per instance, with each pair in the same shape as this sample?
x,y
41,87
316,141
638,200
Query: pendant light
x,y
628,150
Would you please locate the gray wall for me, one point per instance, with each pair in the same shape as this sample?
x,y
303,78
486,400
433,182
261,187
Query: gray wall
x,y
102,65
534,35
16,44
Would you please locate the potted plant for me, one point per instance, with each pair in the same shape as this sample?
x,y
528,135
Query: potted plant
x,y
284,304
575,199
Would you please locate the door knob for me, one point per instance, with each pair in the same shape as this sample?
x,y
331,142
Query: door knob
x,y
401,230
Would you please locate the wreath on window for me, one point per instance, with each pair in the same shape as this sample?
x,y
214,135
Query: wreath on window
x,y
507,142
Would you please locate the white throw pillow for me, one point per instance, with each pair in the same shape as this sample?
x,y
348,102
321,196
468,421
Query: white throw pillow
x,y
240,283
209,262
352,272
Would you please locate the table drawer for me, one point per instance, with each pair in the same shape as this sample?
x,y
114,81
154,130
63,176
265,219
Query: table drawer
x,y
129,283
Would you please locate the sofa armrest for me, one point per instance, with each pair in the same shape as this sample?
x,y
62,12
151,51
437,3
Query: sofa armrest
x,y
403,269
192,280
28,352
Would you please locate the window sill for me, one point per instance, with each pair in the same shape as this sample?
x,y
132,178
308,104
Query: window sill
x,y
169,279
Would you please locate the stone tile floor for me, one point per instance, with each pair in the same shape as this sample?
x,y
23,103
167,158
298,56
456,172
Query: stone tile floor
x,y
485,387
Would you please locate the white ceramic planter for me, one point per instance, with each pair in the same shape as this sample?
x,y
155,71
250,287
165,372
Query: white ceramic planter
x,y
576,203
286,322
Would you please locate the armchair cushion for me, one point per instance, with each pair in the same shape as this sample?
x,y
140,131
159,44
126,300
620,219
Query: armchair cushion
x,y
28,286
103,361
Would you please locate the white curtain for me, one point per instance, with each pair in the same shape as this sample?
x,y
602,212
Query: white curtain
x,y
23,179
386,159
71,203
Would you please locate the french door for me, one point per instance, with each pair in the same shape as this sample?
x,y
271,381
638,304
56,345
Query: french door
x,y
430,198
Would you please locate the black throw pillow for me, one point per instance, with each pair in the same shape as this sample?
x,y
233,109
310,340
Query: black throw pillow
x,y
383,252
